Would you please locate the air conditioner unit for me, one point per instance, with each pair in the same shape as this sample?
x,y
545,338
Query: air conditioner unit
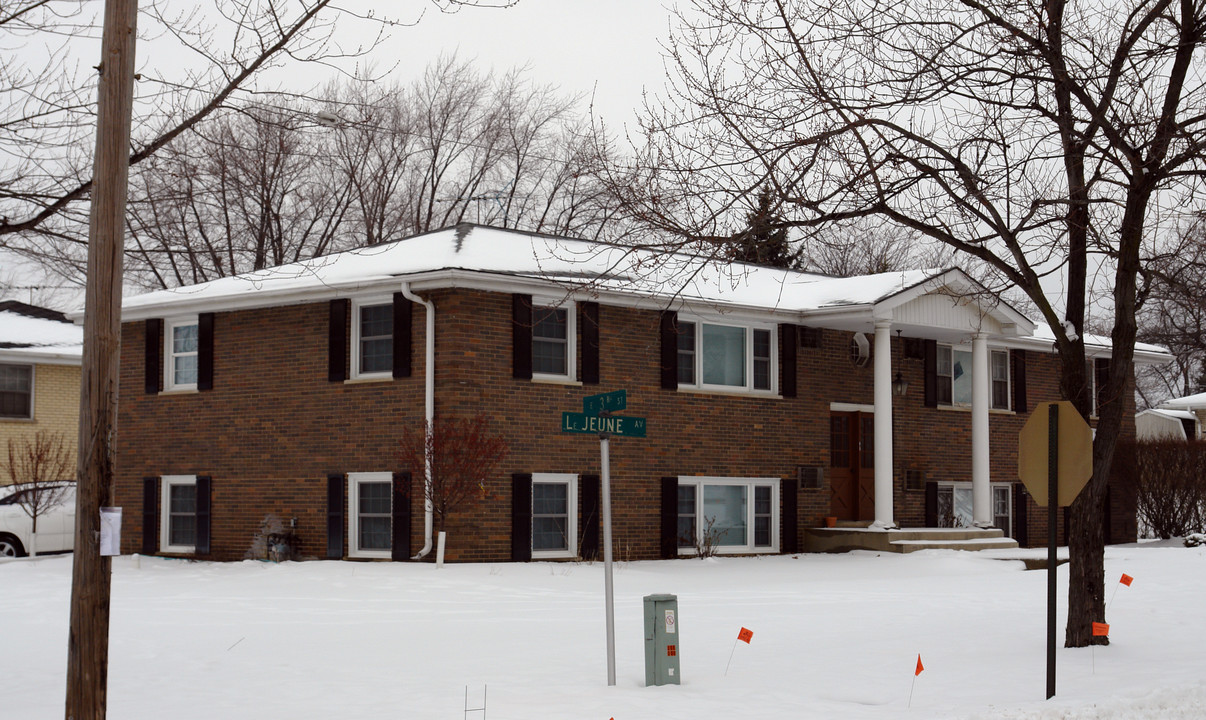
x,y
811,476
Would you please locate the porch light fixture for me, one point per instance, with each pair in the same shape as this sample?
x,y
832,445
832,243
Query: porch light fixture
x,y
900,386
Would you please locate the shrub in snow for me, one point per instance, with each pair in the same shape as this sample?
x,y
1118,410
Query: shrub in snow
x,y
1195,540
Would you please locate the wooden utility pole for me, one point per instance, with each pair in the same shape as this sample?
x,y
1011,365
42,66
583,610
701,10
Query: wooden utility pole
x,y
88,643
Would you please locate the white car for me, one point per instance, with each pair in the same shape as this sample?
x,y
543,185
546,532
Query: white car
x,y
56,526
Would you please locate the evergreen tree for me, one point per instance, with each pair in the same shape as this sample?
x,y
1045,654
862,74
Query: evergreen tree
x,y
764,240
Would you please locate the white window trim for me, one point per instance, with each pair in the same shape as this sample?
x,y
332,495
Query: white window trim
x,y
993,487
571,511
354,480
750,483
749,327
355,373
571,338
33,389
165,515
169,357
1008,376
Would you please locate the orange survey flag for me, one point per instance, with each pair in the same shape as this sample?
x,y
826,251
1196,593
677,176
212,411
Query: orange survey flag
x,y
1101,629
1126,579
745,635
920,667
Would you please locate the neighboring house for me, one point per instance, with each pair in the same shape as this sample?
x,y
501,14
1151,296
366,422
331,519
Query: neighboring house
x,y
774,399
40,353
1163,424
1195,405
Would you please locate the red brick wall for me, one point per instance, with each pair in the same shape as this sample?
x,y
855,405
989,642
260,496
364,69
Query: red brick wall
x,y
273,427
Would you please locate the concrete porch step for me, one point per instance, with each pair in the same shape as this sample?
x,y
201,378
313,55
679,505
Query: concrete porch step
x,y
859,537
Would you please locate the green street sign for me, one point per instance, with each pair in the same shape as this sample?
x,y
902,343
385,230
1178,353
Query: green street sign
x,y
605,402
618,425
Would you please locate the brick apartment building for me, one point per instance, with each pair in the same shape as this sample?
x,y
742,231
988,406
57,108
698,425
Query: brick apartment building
x,y
774,399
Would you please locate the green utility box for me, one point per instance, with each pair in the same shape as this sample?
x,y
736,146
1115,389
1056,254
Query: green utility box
x,y
661,640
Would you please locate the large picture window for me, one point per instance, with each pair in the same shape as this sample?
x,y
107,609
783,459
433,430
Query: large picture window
x,y
370,514
955,506
554,516
955,377
739,357
181,347
178,530
728,515
16,391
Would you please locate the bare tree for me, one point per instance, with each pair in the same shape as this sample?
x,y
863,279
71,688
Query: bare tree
x,y
42,464
218,51
463,453
1174,316
1028,136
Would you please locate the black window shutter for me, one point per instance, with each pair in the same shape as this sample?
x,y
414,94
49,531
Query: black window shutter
x,y
403,309
931,504
931,373
521,338
521,517
400,547
589,498
1019,380
204,498
789,499
337,341
150,515
588,327
1021,528
205,351
788,347
1101,373
334,517
153,352
669,518
669,359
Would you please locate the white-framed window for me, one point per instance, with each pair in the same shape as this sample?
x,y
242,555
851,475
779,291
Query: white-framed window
x,y
955,377
178,514
553,340
729,515
370,514
554,515
1092,367
373,338
16,391
726,356
181,343
955,505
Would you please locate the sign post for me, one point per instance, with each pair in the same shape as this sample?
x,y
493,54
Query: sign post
x,y
1054,478
596,417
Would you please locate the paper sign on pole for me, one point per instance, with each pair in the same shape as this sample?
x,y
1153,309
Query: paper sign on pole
x,y
110,527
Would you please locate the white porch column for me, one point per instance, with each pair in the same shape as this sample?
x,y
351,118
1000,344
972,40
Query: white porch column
x,y
981,382
883,425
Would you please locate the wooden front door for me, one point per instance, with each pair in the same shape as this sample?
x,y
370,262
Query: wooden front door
x,y
852,465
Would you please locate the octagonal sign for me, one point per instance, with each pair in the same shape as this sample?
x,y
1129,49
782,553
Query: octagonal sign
x,y
1075,461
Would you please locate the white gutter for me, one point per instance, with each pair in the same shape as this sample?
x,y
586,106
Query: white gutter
x,y
428,414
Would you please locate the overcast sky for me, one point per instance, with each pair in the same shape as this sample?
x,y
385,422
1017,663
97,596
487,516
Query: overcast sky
x,y
608,49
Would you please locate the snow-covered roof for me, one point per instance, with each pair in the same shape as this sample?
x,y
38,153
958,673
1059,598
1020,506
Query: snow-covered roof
x,y
514,261
470,255
32,334
1189,402
1177,415
1100,345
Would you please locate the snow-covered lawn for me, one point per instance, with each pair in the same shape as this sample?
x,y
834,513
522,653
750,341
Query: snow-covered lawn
x,y
835,636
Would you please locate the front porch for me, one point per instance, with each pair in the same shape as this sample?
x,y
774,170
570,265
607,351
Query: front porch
x,y
857,536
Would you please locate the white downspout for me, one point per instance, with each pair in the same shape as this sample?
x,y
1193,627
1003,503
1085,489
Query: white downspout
x,y
428,414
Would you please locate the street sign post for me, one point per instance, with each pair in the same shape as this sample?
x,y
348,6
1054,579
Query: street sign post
x,y
596,418
1055,460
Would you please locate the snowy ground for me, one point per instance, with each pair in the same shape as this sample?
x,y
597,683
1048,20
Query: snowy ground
x,y
835,636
